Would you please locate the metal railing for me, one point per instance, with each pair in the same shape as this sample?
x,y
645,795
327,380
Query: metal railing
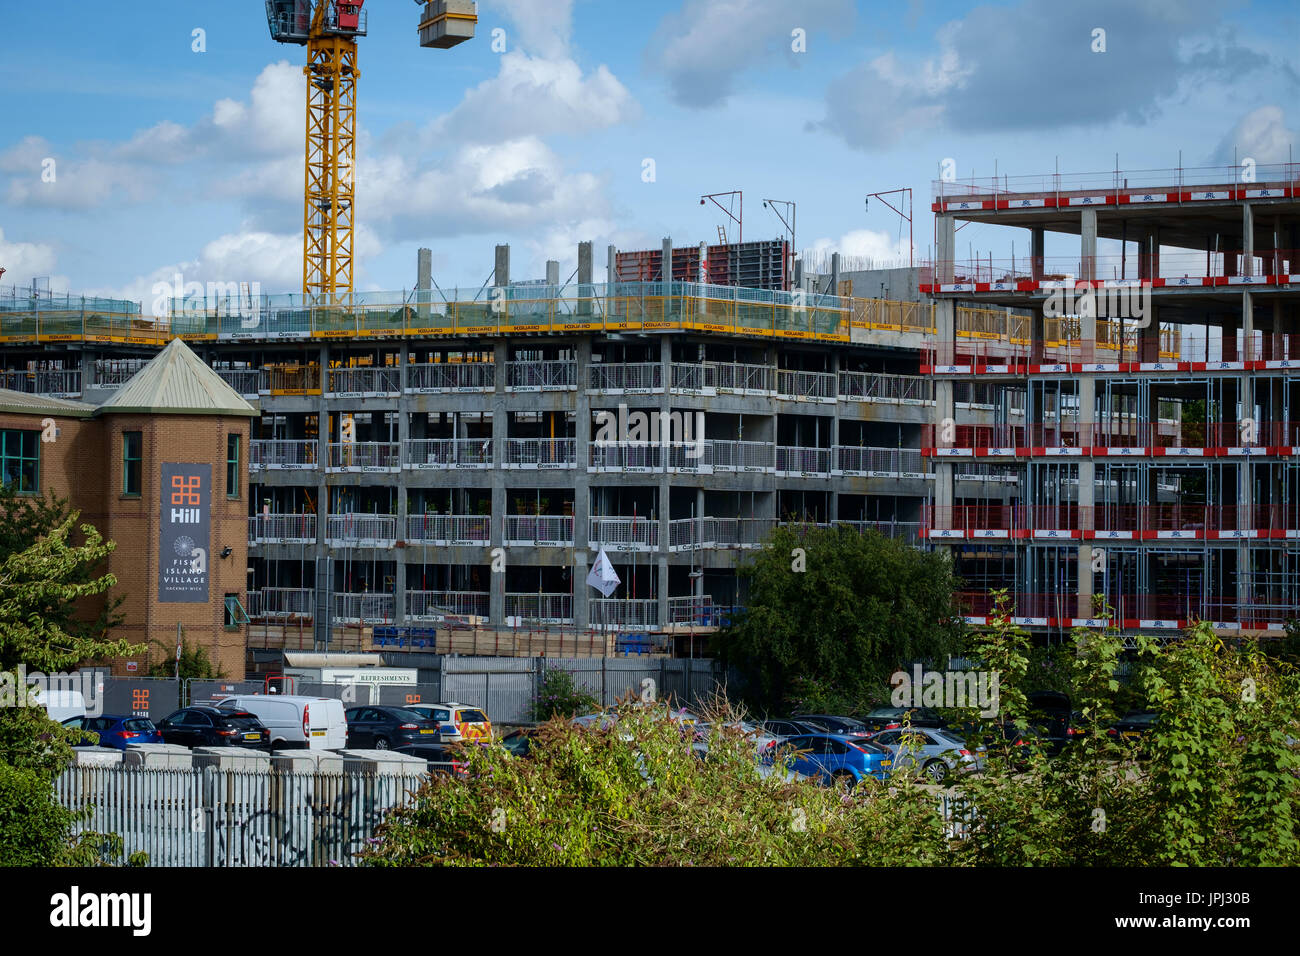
x,y
746,379
805,386
448,453
366,608
624,534
743,456
434,605
540,608
365,456
692,456
448,529
282,455
282,529
541,376
625,456
365,382
686,534
428,377
698,611
539,530
59,382
277,603
626,377
694,378
894,462
541,453
624,614
248,382
880,387
361,530
798,460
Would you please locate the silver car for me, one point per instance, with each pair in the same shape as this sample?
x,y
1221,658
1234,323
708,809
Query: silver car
x,y
933,752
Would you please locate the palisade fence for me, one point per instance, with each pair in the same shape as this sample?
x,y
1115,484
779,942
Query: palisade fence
x,y
192,816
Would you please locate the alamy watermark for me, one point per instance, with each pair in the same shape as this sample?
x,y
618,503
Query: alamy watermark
x,y
24,688
239,299
1082,300
653,428
956,689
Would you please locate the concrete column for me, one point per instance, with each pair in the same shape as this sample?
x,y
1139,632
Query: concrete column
x,y
403,437
582,489
552,277
666,263
944,409
1087,409
1036,245
1088,243
323,619
945,254
665,479
501,272
423,281
500,430
835,274
584,279
611,271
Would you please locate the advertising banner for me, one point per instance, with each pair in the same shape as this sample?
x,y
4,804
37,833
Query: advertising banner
x,y
185,528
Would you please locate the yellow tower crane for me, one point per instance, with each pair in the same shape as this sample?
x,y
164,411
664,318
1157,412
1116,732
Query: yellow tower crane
x,y
329,29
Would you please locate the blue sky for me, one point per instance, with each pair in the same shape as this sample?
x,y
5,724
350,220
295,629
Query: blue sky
x,y
169,160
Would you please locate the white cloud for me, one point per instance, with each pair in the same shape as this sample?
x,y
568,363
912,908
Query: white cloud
x,y
22,261
1261,135
705,45
859,248
542,28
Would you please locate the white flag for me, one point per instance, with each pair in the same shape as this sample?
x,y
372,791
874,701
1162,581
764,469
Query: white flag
x,y
602,575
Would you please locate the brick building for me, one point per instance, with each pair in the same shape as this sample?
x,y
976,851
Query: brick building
x,y
160,468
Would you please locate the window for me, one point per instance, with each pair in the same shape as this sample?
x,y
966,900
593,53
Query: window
x,y
19,457
132,453
232,466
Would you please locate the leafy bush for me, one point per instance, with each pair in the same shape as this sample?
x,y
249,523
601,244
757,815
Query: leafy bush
x,y
33,825
560,696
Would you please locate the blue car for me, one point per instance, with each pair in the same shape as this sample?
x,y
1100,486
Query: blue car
x,y
835,759
116,732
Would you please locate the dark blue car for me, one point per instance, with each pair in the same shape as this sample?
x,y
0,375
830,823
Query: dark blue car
x,y
835,759
116,731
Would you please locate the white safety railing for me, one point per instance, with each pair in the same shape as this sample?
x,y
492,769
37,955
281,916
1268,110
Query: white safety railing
x,y
624,614
42,381
625,456
890,389
743,456
365,382
365,456
112,373
685,534
429,377
363,608
907,530
745,379
624,534
435,605
542,376
282,455
541,453
692,456
448,529
695,378
361,530
541,530
540,608
424,453
800,461
691,610
806,386
893,462
248,382
282,529
627,377
272,603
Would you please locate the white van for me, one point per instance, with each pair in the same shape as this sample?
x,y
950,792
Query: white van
x,y
294,722
61,705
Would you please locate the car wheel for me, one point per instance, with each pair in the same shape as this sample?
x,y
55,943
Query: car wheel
x,y
381,743
936,770
843,780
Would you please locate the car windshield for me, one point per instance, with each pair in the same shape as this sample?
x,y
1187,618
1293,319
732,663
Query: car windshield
x,y
473,717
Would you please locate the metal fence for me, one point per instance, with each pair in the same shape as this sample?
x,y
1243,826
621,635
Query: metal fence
x,y
210,817
450,377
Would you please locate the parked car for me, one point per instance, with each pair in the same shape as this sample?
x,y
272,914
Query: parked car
x,y
928,750
1133,726
763,741
457,723
836,725
437,757
60,704
385,728
204,726
834,759
294,722
519,743
888,718
116,731
791,728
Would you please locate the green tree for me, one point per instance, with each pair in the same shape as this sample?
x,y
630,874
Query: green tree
x,y
560,696
194,664
831,613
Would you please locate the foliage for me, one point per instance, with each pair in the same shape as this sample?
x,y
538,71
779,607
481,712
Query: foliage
x,y
634,794
862,606
560,696
195,663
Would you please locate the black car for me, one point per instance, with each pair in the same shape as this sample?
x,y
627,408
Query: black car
x,y
386,728
211,727
791,728
887,718
849,726
1133,726
519,742
440,759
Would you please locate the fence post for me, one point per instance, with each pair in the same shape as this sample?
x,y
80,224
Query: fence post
x,y
207,794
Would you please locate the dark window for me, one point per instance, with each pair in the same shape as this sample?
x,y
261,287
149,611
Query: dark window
x,y
132,454
20,459
472,717
195,719
140,725
836,747
232,466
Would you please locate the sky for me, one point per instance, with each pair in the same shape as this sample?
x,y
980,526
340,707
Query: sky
x,y
166,138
